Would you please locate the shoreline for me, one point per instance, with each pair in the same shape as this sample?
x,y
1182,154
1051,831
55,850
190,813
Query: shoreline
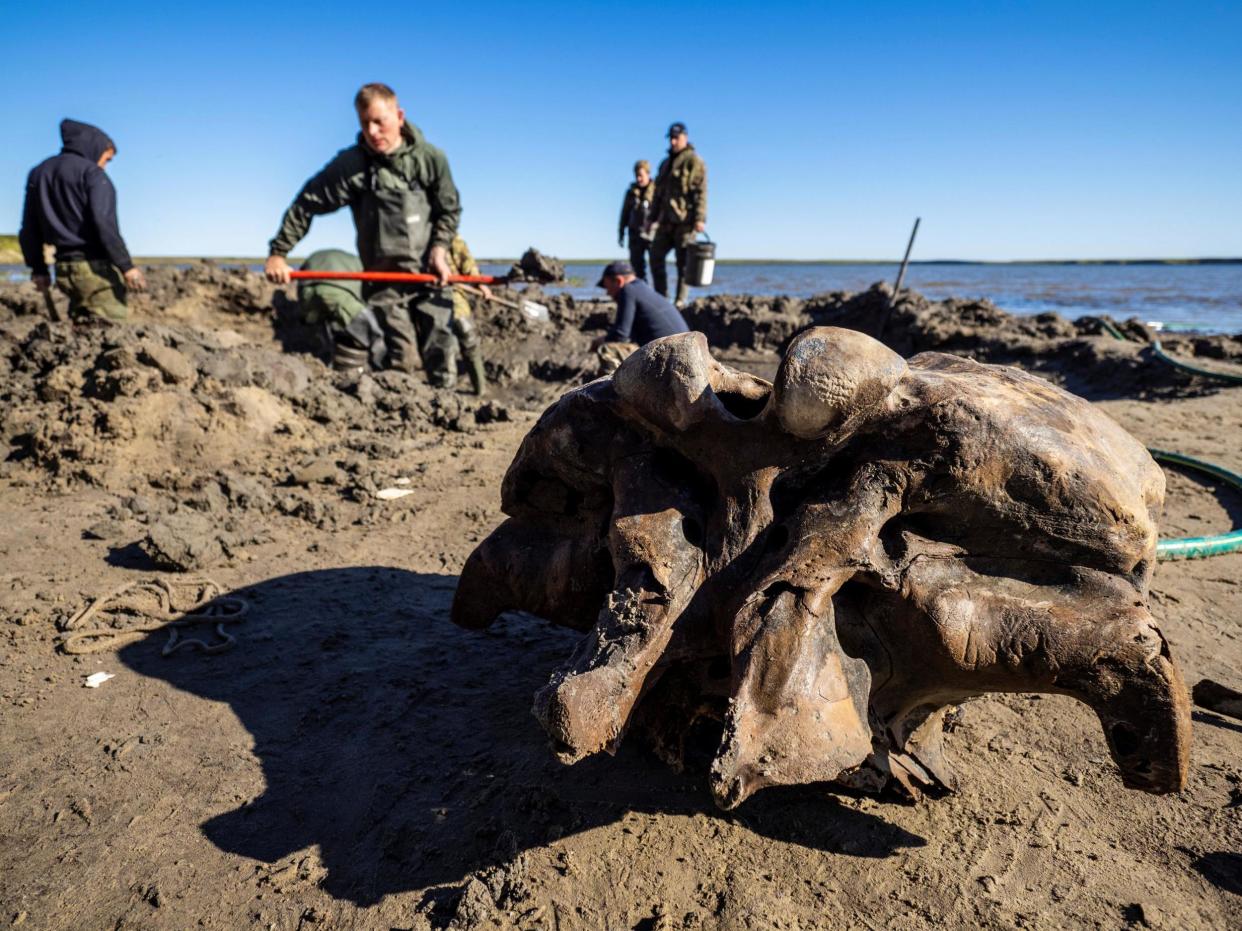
x,y
14,261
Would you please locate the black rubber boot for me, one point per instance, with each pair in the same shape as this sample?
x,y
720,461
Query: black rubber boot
x,y
475,369
471,352
346,358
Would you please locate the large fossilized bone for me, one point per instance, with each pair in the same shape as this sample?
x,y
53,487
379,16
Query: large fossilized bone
x,y
824,564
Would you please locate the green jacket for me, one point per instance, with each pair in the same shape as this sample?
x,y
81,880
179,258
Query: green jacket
x,y
334,301
402,202
636,208
681,189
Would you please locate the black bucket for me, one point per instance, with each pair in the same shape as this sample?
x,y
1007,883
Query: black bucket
x,y
700,263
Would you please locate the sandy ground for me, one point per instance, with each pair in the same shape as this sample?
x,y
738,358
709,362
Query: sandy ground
x,y
358,762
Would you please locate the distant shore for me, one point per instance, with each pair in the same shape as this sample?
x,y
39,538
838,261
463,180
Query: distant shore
x,y
10,255
243,260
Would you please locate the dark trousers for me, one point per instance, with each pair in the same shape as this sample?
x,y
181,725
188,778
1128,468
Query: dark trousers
x,y
638,254
677,238
417,324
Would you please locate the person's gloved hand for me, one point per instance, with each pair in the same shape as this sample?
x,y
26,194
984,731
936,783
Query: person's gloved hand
x,y
620,239
42,282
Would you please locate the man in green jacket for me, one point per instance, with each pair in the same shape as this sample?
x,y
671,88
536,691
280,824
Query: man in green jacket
x,y
679,210
406,210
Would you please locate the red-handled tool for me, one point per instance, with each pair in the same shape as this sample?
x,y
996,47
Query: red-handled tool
x,y
407,277
529,308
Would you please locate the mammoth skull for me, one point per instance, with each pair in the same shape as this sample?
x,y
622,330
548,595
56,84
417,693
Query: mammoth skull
x,y
823,565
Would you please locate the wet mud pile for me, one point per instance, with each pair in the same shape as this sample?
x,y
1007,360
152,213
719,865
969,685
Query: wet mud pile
x,y
1077,354
209,414
215,406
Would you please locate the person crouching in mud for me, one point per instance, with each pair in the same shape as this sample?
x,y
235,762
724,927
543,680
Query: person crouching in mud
x,y
642,315
406,209
350,327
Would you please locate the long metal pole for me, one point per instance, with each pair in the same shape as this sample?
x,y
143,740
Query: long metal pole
x,y
901,275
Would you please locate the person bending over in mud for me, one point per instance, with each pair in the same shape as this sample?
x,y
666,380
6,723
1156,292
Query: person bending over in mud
x,y
406,209
355,338
642,315
71,205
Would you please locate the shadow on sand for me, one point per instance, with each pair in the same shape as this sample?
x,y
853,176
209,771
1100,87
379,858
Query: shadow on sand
x,y
405,749
1222,869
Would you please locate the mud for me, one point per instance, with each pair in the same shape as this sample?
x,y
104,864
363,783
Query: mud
x,y
1076,354
356,761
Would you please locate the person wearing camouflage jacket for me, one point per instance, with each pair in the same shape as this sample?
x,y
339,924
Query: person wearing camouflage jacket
x,y
461,262
679,210
405,209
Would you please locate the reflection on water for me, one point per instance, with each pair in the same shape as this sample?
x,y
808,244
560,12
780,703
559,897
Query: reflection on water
x,y
1203,297
1199,297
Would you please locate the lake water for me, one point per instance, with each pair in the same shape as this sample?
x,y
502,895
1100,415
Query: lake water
x,y
1199,297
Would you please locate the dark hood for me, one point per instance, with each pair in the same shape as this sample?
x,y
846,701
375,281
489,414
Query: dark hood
x,y
84,139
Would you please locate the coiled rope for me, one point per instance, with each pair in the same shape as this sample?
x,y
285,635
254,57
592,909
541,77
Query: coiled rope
x,y
208,607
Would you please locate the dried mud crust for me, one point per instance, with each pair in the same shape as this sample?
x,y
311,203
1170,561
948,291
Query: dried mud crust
x,y
211,412
358,762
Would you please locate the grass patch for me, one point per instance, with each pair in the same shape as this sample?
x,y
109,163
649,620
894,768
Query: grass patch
x,y
10,251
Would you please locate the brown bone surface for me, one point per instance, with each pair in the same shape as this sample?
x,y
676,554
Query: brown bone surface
x,y
825,564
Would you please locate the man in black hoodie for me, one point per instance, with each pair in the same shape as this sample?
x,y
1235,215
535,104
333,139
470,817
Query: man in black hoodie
x,y
71,204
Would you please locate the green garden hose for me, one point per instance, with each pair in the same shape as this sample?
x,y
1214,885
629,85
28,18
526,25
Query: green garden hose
x,y
1198,547
1191,547
1110,329
1159,353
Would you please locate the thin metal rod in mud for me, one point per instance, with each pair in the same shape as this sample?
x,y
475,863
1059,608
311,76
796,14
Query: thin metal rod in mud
x,y
901,275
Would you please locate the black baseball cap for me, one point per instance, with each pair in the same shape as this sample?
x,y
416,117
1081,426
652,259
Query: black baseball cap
x,y
615,270
676,129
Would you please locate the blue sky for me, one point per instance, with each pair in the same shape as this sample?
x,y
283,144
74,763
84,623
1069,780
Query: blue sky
x,y
1016,130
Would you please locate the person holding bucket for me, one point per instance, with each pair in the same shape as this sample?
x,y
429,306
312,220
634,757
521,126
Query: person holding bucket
x,y
679,210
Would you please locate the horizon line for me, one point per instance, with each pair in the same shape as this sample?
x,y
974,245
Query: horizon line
x,y
1203,260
